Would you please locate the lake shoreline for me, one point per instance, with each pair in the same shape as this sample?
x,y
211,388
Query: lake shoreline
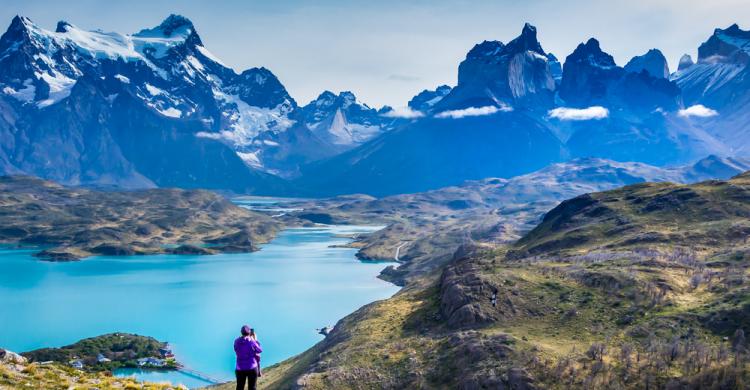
x,y
319,253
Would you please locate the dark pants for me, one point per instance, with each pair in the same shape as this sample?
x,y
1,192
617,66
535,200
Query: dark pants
x,y
249,376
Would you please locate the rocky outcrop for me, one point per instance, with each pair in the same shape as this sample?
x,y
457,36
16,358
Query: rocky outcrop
x,y
653,63
10,357
479,361
425,100
463,292
519,73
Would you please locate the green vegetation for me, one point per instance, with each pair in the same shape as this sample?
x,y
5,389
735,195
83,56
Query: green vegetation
x,y
641,287
119,349
57,376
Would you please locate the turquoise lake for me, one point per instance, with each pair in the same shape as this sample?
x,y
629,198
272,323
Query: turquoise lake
x,y
293,285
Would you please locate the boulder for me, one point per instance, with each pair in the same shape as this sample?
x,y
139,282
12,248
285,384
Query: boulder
x,y
10,357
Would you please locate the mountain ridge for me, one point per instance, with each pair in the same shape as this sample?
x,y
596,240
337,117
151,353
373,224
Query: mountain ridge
x,y
193,122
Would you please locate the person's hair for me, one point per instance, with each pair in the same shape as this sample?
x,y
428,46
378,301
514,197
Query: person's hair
x,y
252,334
246,330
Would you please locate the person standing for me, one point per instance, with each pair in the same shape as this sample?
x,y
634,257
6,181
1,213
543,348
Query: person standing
x,y
254,336
247,348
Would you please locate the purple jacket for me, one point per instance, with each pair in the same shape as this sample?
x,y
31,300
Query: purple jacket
x,y
247,352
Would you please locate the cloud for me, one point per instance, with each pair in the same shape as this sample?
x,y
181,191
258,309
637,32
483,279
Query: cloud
x,y
698,110
579,114
403,112
472,111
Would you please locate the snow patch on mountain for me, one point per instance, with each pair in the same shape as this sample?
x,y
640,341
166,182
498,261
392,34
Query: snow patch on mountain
x,y
247,122
210,56
251,159
59,87
342,132
154,91
25,94
171,112
122,79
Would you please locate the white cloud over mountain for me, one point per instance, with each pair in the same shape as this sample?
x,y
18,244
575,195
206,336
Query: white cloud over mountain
x,y
579,114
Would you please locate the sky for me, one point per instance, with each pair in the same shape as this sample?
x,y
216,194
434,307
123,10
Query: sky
x,y
386,51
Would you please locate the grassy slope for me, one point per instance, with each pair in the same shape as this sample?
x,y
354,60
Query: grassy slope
x,y
641,286
702,217
60,377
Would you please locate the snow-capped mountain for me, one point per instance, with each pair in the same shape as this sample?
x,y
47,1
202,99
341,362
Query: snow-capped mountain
x,y
167,77
717,86
341,120
514,110
156,108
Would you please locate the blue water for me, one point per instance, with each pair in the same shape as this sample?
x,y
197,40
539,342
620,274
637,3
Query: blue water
x,y
276,206
295,284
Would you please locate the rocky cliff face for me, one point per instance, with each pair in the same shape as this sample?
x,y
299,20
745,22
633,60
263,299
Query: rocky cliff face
x,y
496,74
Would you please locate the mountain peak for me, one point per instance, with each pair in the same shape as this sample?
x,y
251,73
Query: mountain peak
x,y
485,49
592,51
259,87
587,74
653,63
733,29
62,26
526,41
173,27
348,97
262,71
174,22
592,45
686,61
325,96
424,100
20,23
18,31
728,45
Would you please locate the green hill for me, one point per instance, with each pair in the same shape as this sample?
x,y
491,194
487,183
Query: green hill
x,y
640,287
